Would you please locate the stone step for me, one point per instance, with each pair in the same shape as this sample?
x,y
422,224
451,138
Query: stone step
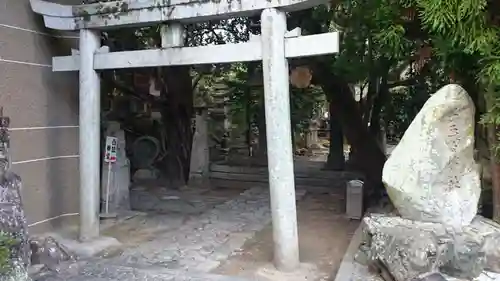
x,y
103,271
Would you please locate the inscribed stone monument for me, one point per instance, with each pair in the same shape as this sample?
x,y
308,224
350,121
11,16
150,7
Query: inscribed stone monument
x,y
431,175
433,181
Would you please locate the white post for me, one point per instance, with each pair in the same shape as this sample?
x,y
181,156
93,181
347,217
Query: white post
x,y
279,140
90,139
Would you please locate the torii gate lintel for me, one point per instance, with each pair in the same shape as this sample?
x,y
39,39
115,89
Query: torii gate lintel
x,y
273,47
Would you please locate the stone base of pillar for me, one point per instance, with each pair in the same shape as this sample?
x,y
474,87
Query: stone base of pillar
x,y
303,272
199,181
86,249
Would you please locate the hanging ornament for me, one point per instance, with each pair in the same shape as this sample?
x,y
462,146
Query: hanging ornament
x,y
301,77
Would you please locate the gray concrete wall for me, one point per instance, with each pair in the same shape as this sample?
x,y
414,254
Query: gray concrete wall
x,y
43,107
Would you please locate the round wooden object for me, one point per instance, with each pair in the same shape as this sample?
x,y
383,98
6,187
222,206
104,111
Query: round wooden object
x,y
301,77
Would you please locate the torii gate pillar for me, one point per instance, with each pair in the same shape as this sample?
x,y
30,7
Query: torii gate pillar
x,y
279,140
90,129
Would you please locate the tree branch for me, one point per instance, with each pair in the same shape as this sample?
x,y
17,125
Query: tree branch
x,y
413,80
196,80
403,83
130,91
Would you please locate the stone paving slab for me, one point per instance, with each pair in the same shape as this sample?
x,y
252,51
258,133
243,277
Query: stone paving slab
x,y
172,201
202,243
104,272
187,253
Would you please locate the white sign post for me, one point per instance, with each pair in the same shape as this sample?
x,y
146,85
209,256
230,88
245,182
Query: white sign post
x,y
110,155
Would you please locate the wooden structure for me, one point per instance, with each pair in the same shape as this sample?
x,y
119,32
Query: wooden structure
x,y
314,179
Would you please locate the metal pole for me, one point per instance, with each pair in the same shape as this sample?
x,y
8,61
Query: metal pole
x,y
279,140
90,109
108,182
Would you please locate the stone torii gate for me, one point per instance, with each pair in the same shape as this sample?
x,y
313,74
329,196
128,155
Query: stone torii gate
x,y
274,46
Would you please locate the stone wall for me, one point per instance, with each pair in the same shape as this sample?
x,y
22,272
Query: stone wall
x,y
43,107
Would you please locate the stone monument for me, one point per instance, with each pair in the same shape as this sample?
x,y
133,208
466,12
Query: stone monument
x,y
119,193
312,140
431,175
200,162
432,180
13,225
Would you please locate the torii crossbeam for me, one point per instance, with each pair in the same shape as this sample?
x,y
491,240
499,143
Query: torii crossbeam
x,y
274,46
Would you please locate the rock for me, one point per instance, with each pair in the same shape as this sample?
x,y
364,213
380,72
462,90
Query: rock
x,y
36,269
405,253
13,226
431,277
465,257
492,252
431,175
409,249
49,252
12,218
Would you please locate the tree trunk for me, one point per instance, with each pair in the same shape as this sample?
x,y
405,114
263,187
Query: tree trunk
x,y
375,125
177,114
248,122
346,111
336,159
495,172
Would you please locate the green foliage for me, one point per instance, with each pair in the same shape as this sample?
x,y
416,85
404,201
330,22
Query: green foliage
x,y
304,104
401,108
465,37
377,37
244,82
6,244
372,33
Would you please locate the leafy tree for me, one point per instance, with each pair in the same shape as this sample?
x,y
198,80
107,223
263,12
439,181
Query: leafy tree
x,y
395,52
438,41
462,36
244,81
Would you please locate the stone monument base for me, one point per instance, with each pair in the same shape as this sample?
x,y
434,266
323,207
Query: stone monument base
x,y
402,250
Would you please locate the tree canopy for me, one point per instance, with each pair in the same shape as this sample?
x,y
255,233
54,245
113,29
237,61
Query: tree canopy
x,y
393,55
